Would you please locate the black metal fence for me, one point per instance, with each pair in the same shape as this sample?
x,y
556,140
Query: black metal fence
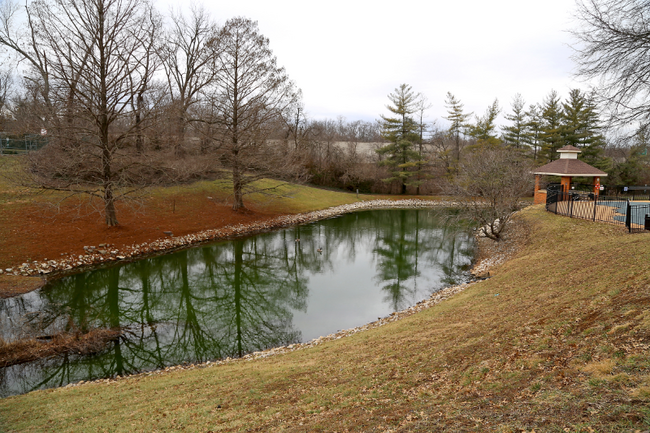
x,y
635,216
621,192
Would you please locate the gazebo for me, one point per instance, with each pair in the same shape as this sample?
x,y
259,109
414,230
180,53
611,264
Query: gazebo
x,y
567,167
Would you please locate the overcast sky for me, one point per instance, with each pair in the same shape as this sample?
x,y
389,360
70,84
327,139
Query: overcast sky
x,y
347,56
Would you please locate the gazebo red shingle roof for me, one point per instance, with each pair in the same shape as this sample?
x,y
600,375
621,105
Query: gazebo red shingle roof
x,y
569,167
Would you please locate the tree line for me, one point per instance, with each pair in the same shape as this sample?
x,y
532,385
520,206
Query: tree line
x,y
418,151
128,99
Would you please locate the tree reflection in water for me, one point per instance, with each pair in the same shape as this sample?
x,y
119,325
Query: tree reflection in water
x,y
230,298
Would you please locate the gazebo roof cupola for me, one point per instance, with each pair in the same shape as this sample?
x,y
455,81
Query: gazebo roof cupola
x,y
569,152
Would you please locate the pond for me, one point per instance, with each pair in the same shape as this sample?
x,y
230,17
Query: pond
x,y
231,298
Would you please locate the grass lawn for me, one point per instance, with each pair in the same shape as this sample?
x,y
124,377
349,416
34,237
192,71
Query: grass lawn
x,y
557,341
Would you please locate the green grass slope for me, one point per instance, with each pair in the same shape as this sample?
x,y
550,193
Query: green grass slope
x,y
557,341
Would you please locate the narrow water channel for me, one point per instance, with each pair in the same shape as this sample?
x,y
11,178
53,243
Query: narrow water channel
x,y
231,298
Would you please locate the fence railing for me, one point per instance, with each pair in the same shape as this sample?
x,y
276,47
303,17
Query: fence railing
x,y
621,192
635,216
26,143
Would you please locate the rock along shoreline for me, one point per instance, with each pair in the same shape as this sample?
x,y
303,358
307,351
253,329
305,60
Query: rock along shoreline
x,y
108,254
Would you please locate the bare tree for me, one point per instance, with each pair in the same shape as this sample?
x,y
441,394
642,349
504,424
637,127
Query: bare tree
x,y
614,47
141,79
6,84
187,58
490,184
443,145
94,51
297,126
422,105
249,95
22,39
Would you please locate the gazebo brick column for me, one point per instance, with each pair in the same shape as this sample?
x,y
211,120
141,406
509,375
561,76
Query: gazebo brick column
x,y
566,183
540,195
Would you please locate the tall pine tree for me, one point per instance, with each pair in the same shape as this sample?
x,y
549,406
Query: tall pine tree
x,y
515,134
551,122
458,119
484,130
402,132
581,128
534,127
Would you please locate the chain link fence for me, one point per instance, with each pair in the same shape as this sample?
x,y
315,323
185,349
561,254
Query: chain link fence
x,y
12,145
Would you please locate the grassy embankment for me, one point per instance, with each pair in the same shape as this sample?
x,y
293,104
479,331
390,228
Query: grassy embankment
x,y
557,340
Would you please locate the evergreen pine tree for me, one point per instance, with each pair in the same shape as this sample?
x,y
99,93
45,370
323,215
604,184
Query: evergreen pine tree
x,y
458,119
581,128
485,128
534,126
515,134
402,132
573,125
551,122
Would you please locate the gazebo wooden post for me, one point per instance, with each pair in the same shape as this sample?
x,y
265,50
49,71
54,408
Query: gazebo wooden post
x,y
596,186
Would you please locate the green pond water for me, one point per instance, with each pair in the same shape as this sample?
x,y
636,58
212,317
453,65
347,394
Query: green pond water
x,y
231,298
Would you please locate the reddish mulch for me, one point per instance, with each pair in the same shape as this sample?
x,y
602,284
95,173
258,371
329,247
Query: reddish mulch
x,y
39,232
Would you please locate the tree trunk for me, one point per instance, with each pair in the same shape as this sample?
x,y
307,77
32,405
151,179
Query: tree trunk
x,y
179,146
109,199
109,207
139,139
237,186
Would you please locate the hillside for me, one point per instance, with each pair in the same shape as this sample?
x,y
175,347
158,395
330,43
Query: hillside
x,y
556,340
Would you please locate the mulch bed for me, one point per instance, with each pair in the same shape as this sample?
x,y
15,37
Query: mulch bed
x,y
48,233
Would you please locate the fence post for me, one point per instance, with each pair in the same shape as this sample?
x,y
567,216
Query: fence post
x,y
570,207
595,205
628,216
